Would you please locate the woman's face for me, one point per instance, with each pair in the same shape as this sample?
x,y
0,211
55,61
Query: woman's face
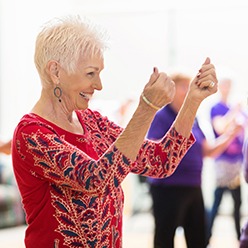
x,y
79,87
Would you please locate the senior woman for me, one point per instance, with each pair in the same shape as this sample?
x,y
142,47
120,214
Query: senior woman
x,y
69,161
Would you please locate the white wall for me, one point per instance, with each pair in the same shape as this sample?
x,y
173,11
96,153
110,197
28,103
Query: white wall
x,y
129,61
143,34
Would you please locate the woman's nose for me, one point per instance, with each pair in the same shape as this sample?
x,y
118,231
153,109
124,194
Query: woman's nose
x,y
98,84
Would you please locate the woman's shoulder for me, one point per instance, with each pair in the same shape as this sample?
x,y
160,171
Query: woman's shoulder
x,y
33,121
29,118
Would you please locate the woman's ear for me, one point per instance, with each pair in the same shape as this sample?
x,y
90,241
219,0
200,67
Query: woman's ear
x,y
52,69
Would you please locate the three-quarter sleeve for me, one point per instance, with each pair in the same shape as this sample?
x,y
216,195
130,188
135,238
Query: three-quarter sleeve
x,y
160,159
48,156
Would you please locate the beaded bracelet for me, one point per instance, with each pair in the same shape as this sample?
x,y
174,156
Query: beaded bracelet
x,y
149,103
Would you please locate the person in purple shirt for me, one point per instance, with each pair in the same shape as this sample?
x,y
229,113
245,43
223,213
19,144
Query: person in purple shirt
x,y
228,164
178,200
244,231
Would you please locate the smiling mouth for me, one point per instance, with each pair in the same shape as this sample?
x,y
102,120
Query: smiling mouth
x,y
85,96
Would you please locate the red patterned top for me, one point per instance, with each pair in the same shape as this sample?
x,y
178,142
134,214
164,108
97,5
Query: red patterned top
x,y
70,183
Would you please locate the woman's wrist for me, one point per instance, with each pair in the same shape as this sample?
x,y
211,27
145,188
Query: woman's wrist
x,y
150,104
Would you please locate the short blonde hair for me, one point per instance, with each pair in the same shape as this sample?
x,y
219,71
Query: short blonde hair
x,y
65,40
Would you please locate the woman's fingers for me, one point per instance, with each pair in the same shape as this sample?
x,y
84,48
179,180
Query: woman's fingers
x,y
160,89
154,76
206,78
207,61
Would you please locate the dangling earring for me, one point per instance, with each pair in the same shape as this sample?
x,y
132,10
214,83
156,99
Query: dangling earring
x,y
57,92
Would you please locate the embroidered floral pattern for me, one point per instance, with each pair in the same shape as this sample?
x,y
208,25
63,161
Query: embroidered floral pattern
x,y
85,193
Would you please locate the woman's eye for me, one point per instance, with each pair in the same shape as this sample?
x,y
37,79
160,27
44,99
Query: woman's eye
x,y
91,74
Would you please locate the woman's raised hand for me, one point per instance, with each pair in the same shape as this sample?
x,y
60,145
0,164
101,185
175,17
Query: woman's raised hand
x,y
205,83
159,91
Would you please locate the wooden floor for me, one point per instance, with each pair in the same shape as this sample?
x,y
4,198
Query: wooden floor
x,y
138,233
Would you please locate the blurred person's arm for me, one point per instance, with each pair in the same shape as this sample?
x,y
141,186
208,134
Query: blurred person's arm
x,y
222,123
5,147
215,148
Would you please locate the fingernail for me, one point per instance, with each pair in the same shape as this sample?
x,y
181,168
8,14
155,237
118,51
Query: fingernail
x,y
154,69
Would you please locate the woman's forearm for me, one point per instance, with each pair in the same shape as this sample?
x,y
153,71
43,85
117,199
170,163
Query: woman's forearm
x,y
202,86
134,134
186,116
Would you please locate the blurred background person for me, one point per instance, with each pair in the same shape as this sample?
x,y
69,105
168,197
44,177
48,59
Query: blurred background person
x,y
5,147
244,232
227,164
178,200
11,212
